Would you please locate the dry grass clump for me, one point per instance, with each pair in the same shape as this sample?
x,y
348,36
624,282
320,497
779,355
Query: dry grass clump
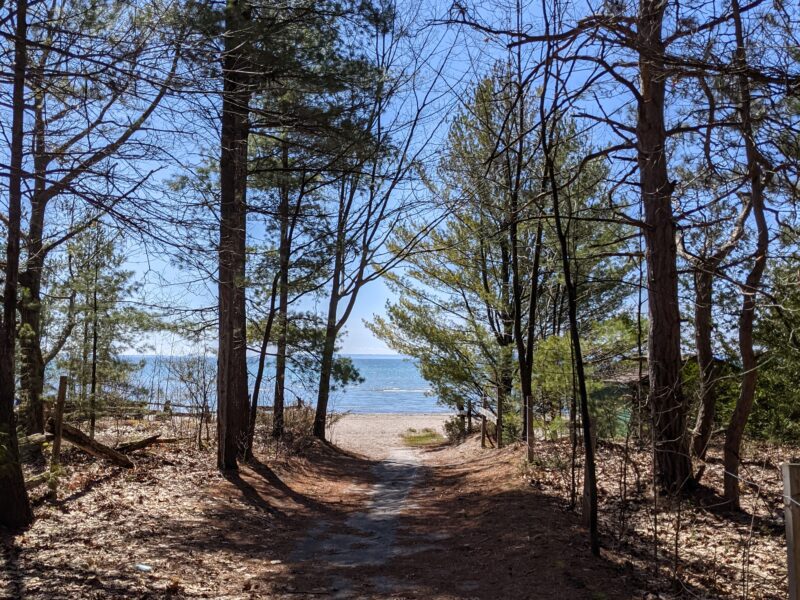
x,y
419,439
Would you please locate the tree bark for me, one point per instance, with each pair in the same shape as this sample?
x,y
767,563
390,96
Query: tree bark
x,y
30,306
262,359
331,325
232,402
744,404
325,373
667,403
703,289
589,471
525,338
93,389
590,476
15,508
284,254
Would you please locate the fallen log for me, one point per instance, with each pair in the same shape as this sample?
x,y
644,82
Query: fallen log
x,y
37,439
37,480
138,444
77,438
30,447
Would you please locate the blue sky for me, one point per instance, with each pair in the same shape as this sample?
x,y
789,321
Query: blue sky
x,y
371,301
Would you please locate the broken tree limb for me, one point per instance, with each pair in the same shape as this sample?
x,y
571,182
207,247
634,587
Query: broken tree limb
x,y
37,439
77,438
37,480
138,444
30,446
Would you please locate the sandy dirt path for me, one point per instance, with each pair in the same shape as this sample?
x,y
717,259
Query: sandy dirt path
x,y
367,539
447,523
374,436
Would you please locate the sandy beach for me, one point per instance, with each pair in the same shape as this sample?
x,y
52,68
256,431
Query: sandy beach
x,y
373,435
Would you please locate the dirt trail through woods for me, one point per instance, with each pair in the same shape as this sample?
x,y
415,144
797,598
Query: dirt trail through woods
x,y
369,536
374,520
448,523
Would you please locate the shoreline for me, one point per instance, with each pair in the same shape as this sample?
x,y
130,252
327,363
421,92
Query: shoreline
x,y
375,434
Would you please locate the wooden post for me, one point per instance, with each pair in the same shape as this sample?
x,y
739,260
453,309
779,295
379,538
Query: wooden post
x,y
499,423
483,422
58,421
58,424
791,493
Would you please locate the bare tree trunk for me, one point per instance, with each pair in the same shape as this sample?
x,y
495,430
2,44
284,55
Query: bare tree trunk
x,y
262,359
30,305
667,402
93,390
15,508
744,404
705,268
703,290
504,388
590,476
284,253
525,339
331,325
232,356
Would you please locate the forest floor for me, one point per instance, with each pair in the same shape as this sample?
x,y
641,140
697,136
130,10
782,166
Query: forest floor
x,y
372,518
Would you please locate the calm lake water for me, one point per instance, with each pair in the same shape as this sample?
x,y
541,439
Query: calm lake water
x,y
391,385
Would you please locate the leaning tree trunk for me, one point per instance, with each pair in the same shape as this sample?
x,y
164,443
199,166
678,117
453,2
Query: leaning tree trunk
x,y
331,327
262,359
589,471
744,404
325,374
667,402
15,508
232,357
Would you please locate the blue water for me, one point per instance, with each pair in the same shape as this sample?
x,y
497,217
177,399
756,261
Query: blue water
x,y
391,385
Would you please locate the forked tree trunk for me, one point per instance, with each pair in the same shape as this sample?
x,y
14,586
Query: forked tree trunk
x,y
705,268
232,405
32,363
667,403
15,508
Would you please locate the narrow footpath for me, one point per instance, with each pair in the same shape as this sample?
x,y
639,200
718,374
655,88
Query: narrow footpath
x,y
447,523
368,538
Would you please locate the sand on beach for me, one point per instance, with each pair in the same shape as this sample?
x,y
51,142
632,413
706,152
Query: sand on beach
x,y
373,435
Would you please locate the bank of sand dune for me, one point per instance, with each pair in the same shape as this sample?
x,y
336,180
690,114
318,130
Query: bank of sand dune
x,y
373,435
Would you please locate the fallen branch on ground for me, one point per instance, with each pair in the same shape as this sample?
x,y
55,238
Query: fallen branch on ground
x,y
77,438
